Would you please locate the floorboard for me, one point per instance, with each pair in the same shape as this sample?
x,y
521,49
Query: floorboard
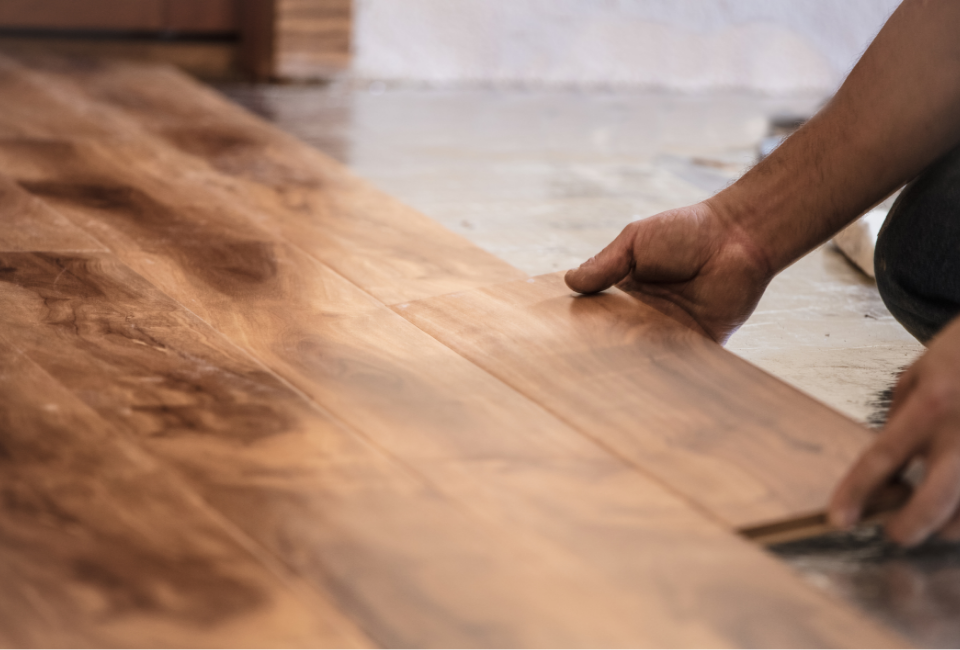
x,y
726,435
101,547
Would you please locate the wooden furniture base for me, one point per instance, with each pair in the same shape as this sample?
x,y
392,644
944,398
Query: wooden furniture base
x,y
212,60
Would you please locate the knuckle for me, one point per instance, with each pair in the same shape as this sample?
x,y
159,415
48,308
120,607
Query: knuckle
x,y
938,397
880,460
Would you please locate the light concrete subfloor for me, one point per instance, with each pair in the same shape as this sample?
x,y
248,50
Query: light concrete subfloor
x,y
544,179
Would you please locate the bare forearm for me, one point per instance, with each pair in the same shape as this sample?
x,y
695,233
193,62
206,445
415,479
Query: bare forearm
x,y
898,111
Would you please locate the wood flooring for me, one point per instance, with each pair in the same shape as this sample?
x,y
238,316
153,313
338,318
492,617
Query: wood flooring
x,y
723,433
246,399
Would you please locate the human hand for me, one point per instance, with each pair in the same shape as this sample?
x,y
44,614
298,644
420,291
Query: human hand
x,y
924,422
689,263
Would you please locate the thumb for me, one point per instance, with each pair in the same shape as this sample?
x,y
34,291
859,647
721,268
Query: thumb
x,y
606,268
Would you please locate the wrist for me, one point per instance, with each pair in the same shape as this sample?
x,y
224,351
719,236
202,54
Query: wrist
x,y
741,240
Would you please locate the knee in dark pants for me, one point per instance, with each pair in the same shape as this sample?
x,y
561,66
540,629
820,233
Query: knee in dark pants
x,y
917,258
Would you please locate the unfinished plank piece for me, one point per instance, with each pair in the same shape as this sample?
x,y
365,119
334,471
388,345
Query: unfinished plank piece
x,y
406,564
738,442
388,249
100,547
493,523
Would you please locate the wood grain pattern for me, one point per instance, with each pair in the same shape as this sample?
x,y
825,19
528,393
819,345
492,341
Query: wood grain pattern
x,y
319,498
100,547
386,248
409,566
743,445
28,224
232,282
465,515
30,110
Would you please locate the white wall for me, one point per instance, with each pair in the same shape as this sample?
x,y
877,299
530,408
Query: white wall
x,y
768,45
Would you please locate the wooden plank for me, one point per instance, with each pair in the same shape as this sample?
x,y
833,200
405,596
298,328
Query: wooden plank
x,y
28,224
101,547
726,435
610,559
139,15
386,248
883,505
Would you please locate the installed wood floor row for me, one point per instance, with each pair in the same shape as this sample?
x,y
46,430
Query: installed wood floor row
x,y
352,456
759,451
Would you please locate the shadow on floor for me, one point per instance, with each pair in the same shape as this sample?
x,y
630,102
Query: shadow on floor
x,y
915,591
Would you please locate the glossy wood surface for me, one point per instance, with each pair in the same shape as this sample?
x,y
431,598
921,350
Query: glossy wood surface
x,y
436,504
325,502
739,443
364,363
412,567
29,224
100,546
386,248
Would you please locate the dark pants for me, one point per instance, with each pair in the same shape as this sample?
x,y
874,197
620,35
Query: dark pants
x,y
917,259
